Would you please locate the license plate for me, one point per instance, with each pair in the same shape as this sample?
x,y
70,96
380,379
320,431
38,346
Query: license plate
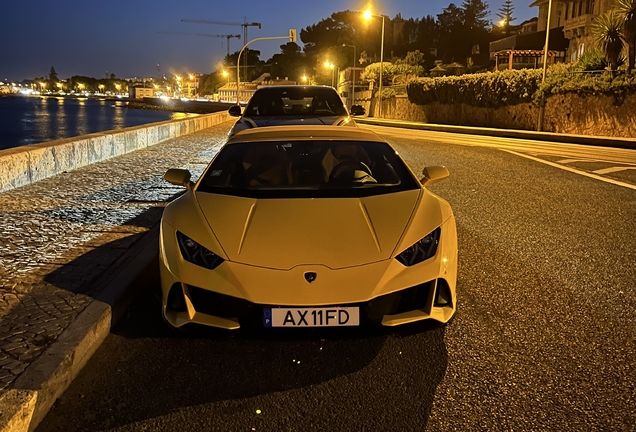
x,y
311,317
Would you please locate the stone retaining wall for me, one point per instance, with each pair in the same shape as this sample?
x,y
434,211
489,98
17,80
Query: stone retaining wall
x,y
24,165
568,114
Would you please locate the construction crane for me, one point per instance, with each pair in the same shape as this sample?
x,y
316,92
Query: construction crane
x,y
228,36
244,24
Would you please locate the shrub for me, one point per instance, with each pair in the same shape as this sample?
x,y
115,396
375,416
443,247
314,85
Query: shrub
x,y
498,89
489,89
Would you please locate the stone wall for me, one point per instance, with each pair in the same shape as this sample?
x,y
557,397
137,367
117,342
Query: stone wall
x,y
24,165
568,114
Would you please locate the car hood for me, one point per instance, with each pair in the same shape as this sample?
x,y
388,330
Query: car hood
x,y
283,233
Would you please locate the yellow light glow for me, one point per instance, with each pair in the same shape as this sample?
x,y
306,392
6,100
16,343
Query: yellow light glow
x,y
191,76
502,23
304,78
367,14
224,73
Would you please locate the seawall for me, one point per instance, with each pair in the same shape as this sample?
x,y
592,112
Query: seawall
x,y
564,114
20,166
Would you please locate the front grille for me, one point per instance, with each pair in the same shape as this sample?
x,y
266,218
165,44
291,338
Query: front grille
x,y
251,314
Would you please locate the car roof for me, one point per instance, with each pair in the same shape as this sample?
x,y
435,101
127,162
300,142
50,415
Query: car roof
x,y
274,88
305,133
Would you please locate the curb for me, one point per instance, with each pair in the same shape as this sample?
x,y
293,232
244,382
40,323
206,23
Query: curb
x,y
23,407
624,143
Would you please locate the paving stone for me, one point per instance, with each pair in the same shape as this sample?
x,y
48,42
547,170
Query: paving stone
x,y
60,235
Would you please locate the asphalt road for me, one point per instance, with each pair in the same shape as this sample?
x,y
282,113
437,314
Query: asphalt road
x,y
544,337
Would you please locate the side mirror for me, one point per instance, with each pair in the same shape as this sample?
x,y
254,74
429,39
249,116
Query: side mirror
x,y
358,110
178,177
235,111
433,174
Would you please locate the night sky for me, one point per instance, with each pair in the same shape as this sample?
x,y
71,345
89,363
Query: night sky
x,y
91,38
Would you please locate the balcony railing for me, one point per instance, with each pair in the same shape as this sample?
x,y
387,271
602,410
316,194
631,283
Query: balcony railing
x,y
578,22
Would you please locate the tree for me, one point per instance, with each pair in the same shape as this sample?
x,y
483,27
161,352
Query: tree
x,y
626,10
254,64
53,75
452,37
505,16
607,30
290,62
475,14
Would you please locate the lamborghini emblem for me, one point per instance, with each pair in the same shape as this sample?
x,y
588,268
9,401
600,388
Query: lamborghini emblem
x,y
310,277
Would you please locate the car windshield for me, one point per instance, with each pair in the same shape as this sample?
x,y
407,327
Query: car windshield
x,y
300,101
307,169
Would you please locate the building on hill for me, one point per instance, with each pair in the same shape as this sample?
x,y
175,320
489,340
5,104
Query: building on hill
x,y
576,18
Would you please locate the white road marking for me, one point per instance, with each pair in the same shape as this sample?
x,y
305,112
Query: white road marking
x,y
567,168
567,161
601,154
612,170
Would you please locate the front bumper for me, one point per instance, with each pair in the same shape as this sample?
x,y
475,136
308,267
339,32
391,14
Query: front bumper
x,y
234,295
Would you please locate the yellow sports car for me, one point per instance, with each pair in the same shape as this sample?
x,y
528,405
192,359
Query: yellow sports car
x,y
307,227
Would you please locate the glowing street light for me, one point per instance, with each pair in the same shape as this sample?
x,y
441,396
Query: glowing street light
x,y
101,88
118,87
368,15
331,66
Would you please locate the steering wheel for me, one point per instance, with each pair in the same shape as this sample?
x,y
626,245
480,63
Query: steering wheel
x,y
348,165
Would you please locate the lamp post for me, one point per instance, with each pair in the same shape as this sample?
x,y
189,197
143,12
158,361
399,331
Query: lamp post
x,y
545,66
331,66
368,15
353,74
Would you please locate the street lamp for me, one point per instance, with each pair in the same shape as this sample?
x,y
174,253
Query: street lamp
x,y
331,66
353,73
118,87
545,65
101,88
367,15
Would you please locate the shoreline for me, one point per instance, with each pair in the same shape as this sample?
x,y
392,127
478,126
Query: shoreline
x,y
154,104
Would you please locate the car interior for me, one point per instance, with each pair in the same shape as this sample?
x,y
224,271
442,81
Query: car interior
x,y
302,165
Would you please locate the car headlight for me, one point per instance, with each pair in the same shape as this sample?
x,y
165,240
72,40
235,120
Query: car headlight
x,y
193,252
422,250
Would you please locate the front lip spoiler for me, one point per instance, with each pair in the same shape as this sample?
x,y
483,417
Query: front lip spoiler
x,y
408,305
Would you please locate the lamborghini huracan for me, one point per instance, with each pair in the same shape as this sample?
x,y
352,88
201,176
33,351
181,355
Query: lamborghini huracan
x,y
307,227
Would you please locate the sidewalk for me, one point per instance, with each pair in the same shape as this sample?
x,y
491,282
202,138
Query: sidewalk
x,y
71,239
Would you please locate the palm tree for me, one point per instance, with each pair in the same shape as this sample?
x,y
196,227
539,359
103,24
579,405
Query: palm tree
x,y
626,10
608,32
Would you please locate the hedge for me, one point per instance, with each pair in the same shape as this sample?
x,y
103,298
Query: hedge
x,y
511,87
